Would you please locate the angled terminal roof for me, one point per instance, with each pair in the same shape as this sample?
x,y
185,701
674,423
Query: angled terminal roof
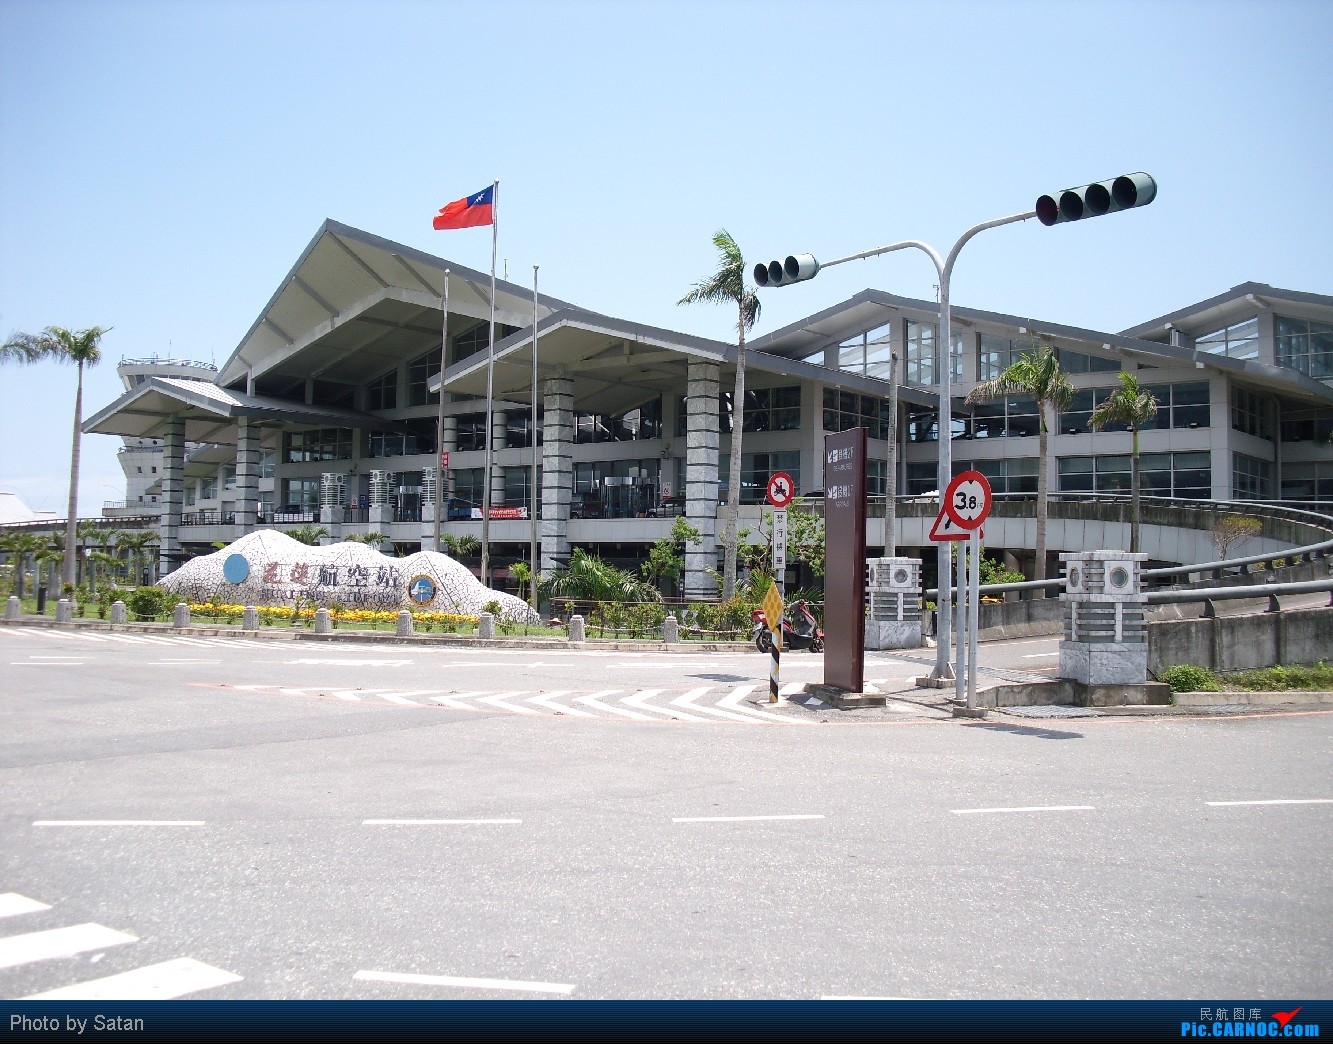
x,y
1224,309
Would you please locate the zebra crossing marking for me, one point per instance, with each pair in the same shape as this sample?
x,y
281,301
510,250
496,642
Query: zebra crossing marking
x,y
12,904
164,981
59,942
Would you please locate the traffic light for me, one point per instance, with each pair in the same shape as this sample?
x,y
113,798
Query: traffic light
x,y
796,268
1101,197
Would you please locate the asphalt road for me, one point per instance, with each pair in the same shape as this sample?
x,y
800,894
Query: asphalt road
x,y
227,819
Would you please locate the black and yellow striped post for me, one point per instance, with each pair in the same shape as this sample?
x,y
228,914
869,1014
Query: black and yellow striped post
x,y
773,617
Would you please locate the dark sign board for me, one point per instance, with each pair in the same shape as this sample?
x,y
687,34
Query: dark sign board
x,y
845,559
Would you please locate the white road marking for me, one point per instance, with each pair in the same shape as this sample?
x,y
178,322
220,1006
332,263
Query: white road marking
x,y
49,663
342,694
853,998
452,700
471,984
814,701
116,822
593,700
353,663
440,822
1039,656
394,698
546,700
1273,801
12,904
733,702
641,698
687,700
498,701
736,819
58,942
173,662
791,689
1027,808
155,982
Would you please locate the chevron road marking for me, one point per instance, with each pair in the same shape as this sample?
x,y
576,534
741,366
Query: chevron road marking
x,y
594,700
395,698
154,982
733,701
475,984
452,700
11,904
644,695
545,700
687,700
58,942
498,701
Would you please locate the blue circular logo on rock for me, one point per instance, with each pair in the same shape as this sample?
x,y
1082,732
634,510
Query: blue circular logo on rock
x,y
235,569
421,590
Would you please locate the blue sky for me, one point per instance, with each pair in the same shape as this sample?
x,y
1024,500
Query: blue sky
x,y
163,164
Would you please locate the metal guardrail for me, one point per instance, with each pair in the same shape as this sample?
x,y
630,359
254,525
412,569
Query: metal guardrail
x,y
1269,591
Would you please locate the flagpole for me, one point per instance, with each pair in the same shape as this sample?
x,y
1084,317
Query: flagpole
x,y
490,393
532,495
439,420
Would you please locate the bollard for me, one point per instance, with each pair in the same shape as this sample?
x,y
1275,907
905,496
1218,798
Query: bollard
x,y
486,625
576,632
670,630
180,616
64,611
404,623
13,608
119,614
323,623
250,619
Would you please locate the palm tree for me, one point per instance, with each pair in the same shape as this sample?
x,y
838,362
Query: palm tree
x,y
82,348
588,578
727,285
307,534
136,542
1133,406
89,532
21,545
1038,375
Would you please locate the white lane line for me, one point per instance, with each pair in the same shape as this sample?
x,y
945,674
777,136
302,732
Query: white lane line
x,y
124,639
733,702
58,942
498,701
856,998
12,904
1273,801
452,700
89,637
1027,808
687,700
1039,656
641,698
736,819
593,700
155,982
352,663
175,662
547,700
470,984
116,822
440,822
49,663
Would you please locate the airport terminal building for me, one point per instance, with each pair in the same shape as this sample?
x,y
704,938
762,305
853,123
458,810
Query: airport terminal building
x,y
326,412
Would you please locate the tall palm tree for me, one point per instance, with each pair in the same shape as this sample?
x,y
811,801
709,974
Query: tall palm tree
x,y
727,285
82,348
1038,375
20,546
136,542
1131,405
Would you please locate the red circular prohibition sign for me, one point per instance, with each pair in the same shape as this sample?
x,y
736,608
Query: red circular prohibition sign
x,y
967,501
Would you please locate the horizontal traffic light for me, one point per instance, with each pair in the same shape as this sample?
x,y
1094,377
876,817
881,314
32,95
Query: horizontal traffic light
x,y
794,269
1101,197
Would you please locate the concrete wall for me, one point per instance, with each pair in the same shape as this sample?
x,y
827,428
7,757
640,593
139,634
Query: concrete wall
x,y
1239,643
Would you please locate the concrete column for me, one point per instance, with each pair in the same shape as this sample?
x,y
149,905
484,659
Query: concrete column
x,y
499,433
557,471
701,450
173,493
64,611
485,625
119,613
13,608
247,474
250,619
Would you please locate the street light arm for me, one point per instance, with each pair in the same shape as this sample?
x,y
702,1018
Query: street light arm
x,y
904,245
947,268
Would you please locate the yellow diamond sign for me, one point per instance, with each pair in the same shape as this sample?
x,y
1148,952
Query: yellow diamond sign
x,y
773,607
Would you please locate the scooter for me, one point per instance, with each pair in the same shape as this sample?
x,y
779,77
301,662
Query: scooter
x,y
804,634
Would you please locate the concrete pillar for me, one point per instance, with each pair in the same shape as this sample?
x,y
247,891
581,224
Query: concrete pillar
x,y
894,604
576,629
323,622
701,451
247,475
499,434
486,625
1106,634
119,614
13,608
64,611
404,627
250,619
180,616
557,471
670,630
173,493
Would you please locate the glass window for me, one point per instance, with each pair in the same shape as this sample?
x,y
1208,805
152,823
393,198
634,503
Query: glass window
x,y
921,478
268,463
1240,341
920,339
756,470
300,494
1005,475
466,484
1077,362
844,410
1013,415
1249,413
1180,475
472,431
1305,345
382,393
419,373
1251,478
317,444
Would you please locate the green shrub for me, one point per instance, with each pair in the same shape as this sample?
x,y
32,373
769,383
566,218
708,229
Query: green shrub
x,y
148,603
1186,677
1291,678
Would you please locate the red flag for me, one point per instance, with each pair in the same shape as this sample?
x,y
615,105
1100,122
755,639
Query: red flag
x,y
476,209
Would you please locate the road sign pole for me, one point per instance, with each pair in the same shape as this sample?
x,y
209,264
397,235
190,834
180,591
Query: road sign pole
x,y
974,616
960,624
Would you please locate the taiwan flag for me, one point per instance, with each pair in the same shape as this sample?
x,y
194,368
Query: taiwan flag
x,y
476,209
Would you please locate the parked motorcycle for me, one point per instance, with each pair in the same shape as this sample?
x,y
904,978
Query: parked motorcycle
x,y
803,633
